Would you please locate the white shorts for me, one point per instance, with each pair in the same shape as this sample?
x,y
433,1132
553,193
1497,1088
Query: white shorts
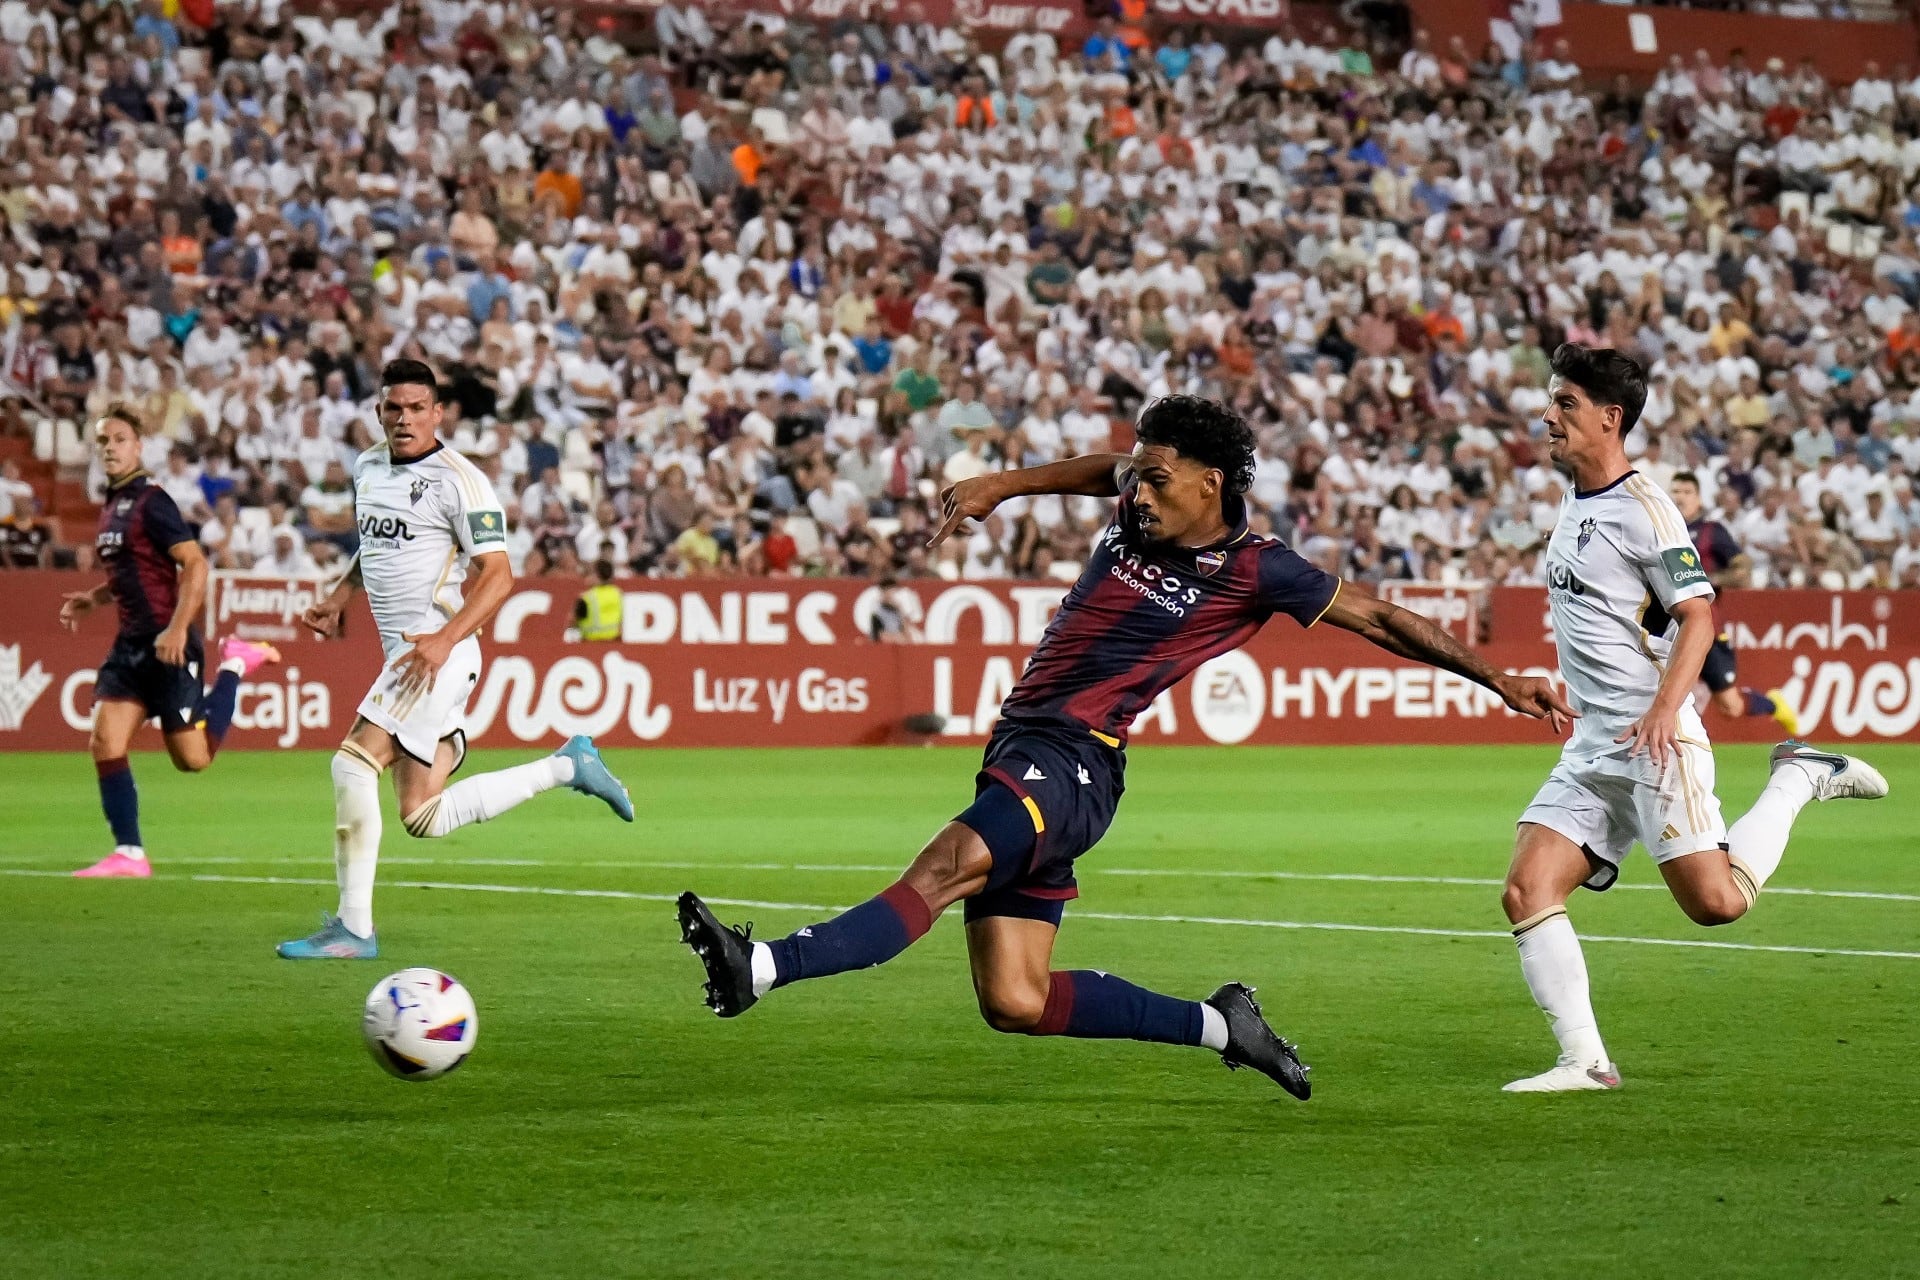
x,y
420,723
1605,803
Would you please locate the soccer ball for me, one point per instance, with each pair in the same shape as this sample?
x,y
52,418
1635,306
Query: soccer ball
x,y
419,1023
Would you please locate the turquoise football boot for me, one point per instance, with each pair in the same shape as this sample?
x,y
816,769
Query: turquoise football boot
x,y
333,942
591,775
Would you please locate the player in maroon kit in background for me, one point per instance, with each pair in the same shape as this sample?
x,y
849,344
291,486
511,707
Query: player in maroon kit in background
x,y
1176,579
1726,567
157,577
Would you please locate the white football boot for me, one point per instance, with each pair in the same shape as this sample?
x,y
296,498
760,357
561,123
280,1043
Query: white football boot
x,y
1569,1076
1835,776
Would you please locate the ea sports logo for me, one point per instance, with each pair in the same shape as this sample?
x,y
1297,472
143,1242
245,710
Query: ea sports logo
x,y
1229,697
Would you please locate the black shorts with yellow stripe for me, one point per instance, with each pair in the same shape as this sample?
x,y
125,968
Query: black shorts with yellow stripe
x,y
1720,670
1045,794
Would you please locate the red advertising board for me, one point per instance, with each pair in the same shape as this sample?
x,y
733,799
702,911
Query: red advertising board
x,y
1639,38
787,662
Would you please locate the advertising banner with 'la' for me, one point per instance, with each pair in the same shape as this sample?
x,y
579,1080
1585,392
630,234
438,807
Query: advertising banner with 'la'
x,y
792,662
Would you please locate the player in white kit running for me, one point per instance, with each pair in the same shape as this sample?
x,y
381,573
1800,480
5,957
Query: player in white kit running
x,y
426,516
1632,620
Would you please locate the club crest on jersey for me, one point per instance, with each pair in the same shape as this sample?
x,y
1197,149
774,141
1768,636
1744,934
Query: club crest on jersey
x,y
1208,563
416,491
1588,527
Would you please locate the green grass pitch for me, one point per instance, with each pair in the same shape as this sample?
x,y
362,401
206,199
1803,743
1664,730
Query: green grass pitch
x,y
176,1101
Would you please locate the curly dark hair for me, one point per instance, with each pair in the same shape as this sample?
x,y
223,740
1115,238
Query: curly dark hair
x,y
1206,431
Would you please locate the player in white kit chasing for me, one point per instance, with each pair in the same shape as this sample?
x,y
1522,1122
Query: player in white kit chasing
x,y
426,517
1630,604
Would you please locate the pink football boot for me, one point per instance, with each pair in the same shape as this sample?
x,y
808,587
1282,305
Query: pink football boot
x,y
250,654
120,864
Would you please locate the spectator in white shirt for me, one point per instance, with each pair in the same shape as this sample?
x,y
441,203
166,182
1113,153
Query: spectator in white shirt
x,y
213,345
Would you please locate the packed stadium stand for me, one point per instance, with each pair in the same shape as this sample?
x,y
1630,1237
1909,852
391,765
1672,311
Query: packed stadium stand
x,y
740,297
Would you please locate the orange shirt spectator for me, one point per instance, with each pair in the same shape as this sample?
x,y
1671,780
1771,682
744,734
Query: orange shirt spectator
x,y
182,253
1120,121
968,105
1443,321
1236,353
556,184
1905,338
747,162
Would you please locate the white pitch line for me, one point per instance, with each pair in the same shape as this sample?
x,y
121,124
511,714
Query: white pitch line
x,y
1320,926
1463,880
1172,873
467,887
1495,933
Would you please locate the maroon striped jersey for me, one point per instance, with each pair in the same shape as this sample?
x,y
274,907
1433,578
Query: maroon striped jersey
x,y
1143,615
138,523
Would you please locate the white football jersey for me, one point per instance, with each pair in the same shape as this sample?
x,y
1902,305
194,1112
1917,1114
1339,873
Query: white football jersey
x,y
420,522
1619,559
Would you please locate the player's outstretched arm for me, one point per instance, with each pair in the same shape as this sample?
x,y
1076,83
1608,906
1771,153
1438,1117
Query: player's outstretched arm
x,y
1407,634
75,605
1096,475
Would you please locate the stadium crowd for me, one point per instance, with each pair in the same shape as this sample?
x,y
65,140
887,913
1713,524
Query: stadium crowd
x,y
743,299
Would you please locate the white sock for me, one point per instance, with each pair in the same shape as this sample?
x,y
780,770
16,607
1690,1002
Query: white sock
x,y
131,851
356,839
1213,1028
488,795
1757,842
1556,973
234,665
763,974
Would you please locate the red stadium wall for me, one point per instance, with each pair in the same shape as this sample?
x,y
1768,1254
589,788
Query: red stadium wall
x,y
785,663
1602,40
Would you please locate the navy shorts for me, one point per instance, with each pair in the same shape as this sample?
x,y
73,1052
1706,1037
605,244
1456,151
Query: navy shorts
x,y
1718,670
132,673
1044,796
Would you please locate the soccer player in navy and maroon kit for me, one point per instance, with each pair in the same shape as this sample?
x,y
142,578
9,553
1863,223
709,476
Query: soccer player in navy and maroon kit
x,y
157,578
1726,566
1176,579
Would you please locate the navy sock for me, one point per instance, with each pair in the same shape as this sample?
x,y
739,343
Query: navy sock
x,y
226,687
1758,704
1098,1006
120,799
872,933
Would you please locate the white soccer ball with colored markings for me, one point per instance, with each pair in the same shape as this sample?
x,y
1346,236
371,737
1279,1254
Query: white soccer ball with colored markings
x,y
420,1023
